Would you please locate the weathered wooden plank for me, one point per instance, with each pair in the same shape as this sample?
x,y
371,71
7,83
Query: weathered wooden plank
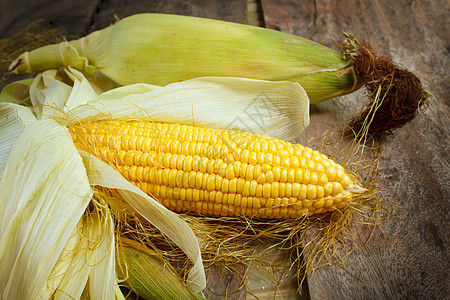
x,y
224,283
410,258
234,10
72,17
77,18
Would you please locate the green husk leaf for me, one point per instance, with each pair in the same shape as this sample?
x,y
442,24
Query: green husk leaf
x,y
147,274
16,92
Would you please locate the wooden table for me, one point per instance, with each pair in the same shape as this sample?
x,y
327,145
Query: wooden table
x,y
409,258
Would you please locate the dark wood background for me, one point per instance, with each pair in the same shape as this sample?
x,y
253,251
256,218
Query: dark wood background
x,y
407,259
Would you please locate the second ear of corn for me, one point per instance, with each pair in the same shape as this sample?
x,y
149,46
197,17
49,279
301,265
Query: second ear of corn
x,y
161,49
219,172
147,274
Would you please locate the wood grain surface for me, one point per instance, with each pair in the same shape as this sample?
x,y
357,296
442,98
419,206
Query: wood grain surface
x,y
409,257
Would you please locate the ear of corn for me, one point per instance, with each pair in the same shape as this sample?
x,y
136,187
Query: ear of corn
x,y
219,172
145,273
160,49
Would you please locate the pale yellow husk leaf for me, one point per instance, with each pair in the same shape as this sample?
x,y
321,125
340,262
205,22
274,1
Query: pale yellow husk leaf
x,y
70,273
43,196
102,261
87,258
15,118
278,109
49,94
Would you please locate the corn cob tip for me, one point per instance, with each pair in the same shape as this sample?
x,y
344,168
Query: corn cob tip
x,y
356,188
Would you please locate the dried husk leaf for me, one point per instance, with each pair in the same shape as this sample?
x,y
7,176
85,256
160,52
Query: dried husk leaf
x,y
13,121
101,258
43,196
279,109
88,258
50,94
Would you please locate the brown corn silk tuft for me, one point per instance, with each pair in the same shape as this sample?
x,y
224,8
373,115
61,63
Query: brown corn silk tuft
x,y
395,94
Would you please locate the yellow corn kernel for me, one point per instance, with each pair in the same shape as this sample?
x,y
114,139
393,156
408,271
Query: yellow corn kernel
x,y
306,175
267,190
276,173
211,182
311,192
269,178
346,181
246,189
319,192
232,188
331,173
340,173
252,188
257,171
250,172
313,179
323,179
282,189
266,168
337,188
328,202
274,192
296,188
225,186
261,179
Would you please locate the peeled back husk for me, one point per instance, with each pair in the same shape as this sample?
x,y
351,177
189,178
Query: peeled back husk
x,y
160,49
